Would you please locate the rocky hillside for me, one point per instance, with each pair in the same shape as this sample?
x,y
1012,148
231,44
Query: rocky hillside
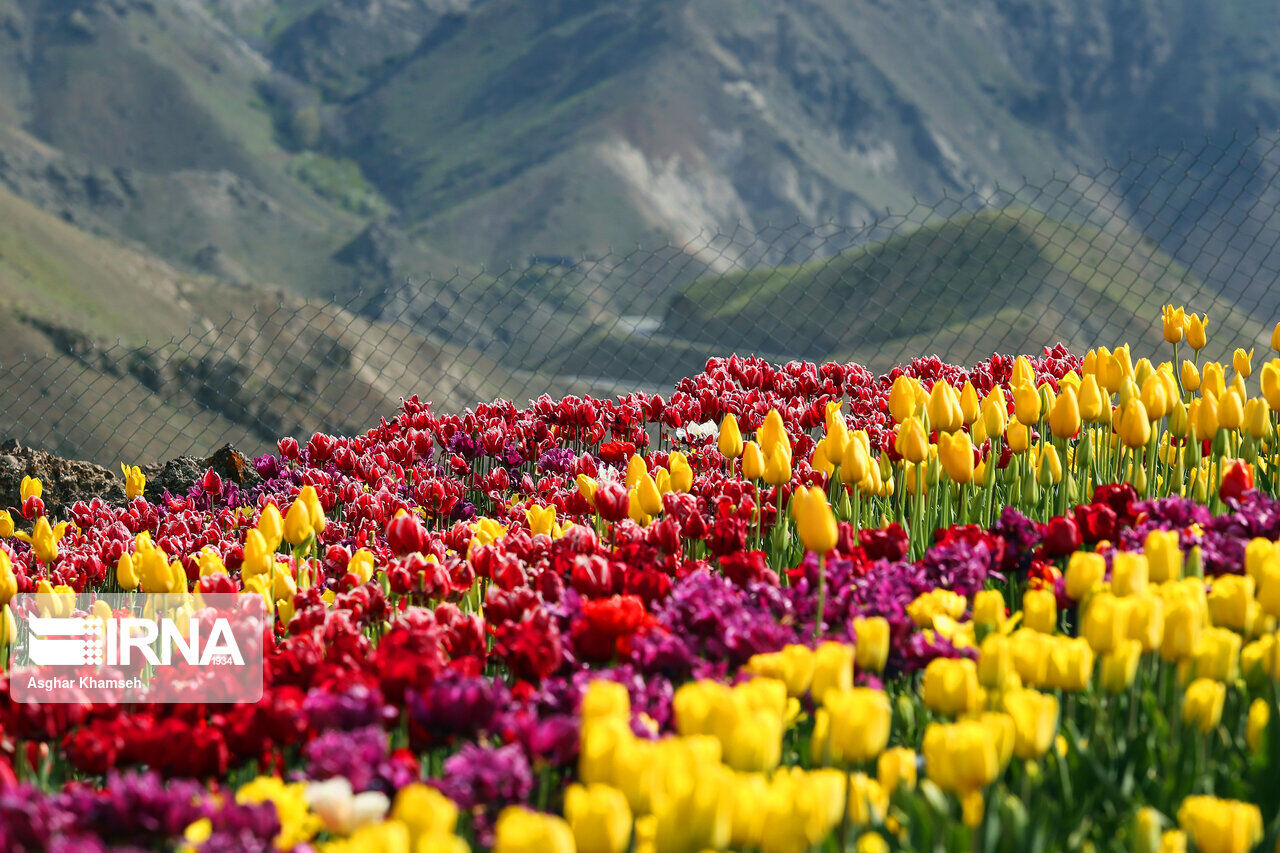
x,y
97,362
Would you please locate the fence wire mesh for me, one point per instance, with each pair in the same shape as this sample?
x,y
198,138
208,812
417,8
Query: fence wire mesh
x,y
1083,259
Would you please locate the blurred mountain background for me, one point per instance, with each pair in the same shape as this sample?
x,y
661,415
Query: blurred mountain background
x,y
236,219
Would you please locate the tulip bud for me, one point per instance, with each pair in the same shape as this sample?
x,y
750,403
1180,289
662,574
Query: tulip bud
x,y
1133,425
1064,417
902,398
1174,319
752,461
1026,404
1035,721
1196,337
729,442
599,817
297,524
995,412
950,686
970,404
31,487
1085,570
777,468
871,635
1242,361
943,407
1230,410
8,580
1040,611
896,768
1050,469
271,526
911,442
1202,704
855,463
815,522
955,452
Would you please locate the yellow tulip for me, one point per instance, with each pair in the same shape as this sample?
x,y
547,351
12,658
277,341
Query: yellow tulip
x,y
425,812
600,818
950,686
1026,404
297,523
1129,573
995,412
855,463
1164,556
872,649
1155,398
520,830
648,495
1035,721
773,431
815,522
541,520
1118,667
31,487
1040,611
210,562
1220,826
832,669
636,468
902,398
1133,425
1190,376
1049,468
1106,621
271,526
1023,373
945,414
1070,664
6,524
1242,361
860,719
681,472
911,442
729,442
1231,410
135,482
970,404
1202,703
315,511
777,469
752,461
1085,570
8,580
1212,379
1173,319
1196,324
955,452
1257,420
1065,417
1256,724
1091,401
966,756
896,768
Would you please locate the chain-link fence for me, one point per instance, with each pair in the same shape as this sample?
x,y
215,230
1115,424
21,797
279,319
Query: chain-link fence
x,y
1085,259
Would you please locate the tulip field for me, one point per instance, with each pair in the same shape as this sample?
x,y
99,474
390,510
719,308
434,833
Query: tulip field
x,y
1029,605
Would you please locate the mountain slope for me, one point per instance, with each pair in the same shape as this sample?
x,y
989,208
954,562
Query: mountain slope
x,y
565,127
92,369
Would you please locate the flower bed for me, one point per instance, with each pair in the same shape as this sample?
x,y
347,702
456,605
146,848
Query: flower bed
x,y
1027,606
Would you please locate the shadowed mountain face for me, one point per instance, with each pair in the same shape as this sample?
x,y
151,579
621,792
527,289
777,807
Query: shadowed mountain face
x,y
364,150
